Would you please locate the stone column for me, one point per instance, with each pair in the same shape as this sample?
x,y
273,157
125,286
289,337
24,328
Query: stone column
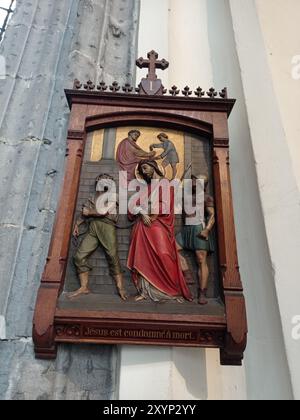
x,y
46,46
254,258
154,34
272,129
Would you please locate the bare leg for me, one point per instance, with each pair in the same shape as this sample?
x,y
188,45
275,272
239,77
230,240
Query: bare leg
x,y
174,170
203,275
183,262
188,275
83,290
120,286
164,164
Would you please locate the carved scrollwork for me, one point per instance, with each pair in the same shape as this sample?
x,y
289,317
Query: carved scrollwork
x,y
213,338
68,331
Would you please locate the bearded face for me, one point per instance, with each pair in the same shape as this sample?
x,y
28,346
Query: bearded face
x,y
147,172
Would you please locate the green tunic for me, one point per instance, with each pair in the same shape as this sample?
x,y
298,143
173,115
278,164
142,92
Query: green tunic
x,y
189,238
101,232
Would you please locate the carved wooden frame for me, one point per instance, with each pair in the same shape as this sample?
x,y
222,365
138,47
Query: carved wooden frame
x,y
92,110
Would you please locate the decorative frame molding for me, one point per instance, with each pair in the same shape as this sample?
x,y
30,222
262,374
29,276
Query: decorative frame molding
x,y
91,110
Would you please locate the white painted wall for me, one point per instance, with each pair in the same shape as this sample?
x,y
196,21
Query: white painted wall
x,y
278,186
224,44
265,359
189,51
153,33
279,23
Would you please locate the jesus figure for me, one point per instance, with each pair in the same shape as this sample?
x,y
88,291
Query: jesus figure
x,y
153,258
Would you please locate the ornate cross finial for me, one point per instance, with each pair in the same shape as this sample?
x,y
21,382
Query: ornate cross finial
x,y
152,63
151,85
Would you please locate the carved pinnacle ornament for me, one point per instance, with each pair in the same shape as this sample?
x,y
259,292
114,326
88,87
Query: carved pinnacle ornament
x,y
77,84
89,85
224,93
102,86
115,87
151,85
174,91
212,93
199,92
187,91
127,88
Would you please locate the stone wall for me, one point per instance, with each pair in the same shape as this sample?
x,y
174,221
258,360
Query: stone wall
x,y
47,45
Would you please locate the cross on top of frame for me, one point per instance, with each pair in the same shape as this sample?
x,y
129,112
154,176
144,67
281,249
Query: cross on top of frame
x,y
151,85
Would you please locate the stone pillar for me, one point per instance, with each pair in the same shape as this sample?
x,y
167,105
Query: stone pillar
x,y
254,258
46,46
274,149
154,34
189,51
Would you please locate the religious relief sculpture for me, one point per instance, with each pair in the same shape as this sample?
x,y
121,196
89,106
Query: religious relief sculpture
x,y
159,270
128,244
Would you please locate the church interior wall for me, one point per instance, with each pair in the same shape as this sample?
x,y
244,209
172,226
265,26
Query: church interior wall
x,y
212,43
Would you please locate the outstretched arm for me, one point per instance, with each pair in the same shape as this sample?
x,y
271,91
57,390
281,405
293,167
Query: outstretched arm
x,y
140,153
210,224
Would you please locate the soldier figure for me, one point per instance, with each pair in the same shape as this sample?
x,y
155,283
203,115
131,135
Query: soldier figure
x,y
101,232
198,239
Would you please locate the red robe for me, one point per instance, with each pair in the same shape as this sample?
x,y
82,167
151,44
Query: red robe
x,y
153,254
129,155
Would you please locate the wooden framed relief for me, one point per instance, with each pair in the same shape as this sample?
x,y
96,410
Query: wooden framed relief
x,y
122,270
